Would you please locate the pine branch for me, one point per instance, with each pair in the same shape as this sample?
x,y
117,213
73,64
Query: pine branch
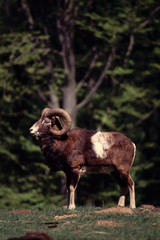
x,y
53,98
42,96
99,82
144,118
91,66
28,14
9,19
129,50
131,42
143,24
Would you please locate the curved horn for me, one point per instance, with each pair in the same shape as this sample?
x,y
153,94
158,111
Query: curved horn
x,y
45,111
65,117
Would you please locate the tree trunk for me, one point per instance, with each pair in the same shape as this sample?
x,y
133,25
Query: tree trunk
x,y
69,102
65,25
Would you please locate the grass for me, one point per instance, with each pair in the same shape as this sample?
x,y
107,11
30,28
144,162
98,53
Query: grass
x,y
82,223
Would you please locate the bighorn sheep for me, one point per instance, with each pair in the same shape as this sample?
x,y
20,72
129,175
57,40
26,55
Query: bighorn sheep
x,y
80,151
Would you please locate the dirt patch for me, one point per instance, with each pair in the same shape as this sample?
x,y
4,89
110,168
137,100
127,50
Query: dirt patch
x,y
110,223
65,216
19,211
116,210
124,210
148,208
142,209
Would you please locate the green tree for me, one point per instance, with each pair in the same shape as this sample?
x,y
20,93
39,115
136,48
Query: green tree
x,y
99,61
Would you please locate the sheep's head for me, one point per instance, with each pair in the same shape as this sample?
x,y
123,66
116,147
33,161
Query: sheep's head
x,y
50,123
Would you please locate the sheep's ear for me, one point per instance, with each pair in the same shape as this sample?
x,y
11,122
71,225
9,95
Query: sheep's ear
x,y
56,121
62,114
53,120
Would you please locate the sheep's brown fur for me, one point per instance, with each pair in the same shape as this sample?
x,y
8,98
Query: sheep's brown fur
x,y
80,150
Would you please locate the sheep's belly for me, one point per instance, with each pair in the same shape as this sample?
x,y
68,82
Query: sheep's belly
x,y
96,170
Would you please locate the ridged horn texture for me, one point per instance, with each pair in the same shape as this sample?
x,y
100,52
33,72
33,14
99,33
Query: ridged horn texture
x,y
64,116
45,111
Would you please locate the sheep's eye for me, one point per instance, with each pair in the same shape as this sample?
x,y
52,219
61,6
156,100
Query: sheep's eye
x,y
53,120
46,122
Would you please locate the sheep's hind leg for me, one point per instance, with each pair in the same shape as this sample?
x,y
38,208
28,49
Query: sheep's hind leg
x,y
125,182
131,192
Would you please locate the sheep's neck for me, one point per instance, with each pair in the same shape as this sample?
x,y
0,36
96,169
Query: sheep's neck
x,y
51,154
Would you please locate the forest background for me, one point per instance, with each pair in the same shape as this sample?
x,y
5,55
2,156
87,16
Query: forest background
x,y
97,59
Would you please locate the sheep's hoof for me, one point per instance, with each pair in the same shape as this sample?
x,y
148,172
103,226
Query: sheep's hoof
x,y
71,207
134,207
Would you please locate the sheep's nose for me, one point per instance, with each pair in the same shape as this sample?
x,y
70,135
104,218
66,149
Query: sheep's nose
x,y
31,129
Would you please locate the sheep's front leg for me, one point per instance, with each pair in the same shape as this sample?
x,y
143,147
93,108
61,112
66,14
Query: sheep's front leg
x,y
121,202
71,197
122,180
72,181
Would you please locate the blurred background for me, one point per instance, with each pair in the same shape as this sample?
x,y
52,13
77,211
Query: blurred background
x,y
97,59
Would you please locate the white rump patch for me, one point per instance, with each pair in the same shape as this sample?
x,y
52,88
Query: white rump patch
x,y
101,143
134,152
